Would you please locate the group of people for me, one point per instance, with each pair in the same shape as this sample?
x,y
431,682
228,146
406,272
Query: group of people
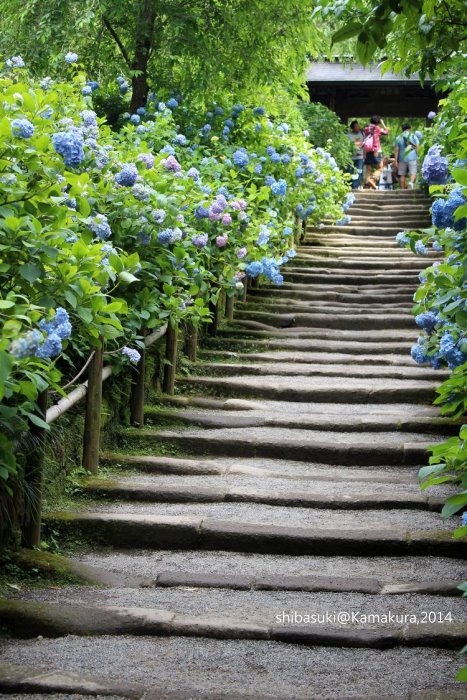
x,y
370,169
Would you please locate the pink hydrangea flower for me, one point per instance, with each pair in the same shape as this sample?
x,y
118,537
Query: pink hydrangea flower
x,y
241,252
226,219
221,241
171,163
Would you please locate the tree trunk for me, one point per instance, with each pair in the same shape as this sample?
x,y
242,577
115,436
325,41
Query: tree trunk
x,y
143,45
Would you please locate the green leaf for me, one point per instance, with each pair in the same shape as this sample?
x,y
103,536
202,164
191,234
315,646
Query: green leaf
x,y
346,32
37,421
30,272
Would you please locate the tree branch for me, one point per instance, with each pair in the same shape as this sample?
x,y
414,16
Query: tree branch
x,y
117,40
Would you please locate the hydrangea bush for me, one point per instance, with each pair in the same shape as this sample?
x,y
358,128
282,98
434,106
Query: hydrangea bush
x,y
441,300
106,233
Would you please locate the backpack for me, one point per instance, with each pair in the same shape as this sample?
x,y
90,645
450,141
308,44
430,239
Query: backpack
x,y
369,142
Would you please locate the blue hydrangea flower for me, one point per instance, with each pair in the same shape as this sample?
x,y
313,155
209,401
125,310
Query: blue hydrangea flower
x,y
421,248
279,188
135,119
71,57
15,62
169,235
451,353
93,85
218,111
240,158
427,321
51,347
443,210
201,212
170,150
88,117
418,353
258,169
402,239
69,144
172,103
22,128
200,240
141,111
86,90
259,111
99,225
435,168
181,139
269,180
254,269
123,88
127,175
26,345
146,158
437,246
270,150
121,80
158,215
132,354
286,158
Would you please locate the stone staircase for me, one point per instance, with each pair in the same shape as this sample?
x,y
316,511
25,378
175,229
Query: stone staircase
x,y
281,482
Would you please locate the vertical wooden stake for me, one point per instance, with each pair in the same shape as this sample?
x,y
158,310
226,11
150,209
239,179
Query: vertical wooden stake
x,y
214,324
245,289
33,476
229,308
191,341
171,357
138,392
92,420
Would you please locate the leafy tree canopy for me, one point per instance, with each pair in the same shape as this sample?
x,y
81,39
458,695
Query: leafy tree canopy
x,y
200,46
425,36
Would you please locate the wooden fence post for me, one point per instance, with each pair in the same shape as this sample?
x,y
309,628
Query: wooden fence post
x,y
33,476
229,308
213,325
171,358
245,289
138,391
191,341
92,420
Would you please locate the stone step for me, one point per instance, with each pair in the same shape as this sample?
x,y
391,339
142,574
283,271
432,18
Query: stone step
x,y
260,469
252,329
241,571
222,369
305,388
348,295
327,320
285,303
238,670
134,489
359,278
379,230
319,357
365,448
141,530
301,344
341,263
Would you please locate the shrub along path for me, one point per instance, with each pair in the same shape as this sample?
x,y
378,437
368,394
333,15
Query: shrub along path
x,y
291,490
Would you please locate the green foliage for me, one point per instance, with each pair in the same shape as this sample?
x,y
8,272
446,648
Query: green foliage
x,y
425,36
227,43
327,131
73,237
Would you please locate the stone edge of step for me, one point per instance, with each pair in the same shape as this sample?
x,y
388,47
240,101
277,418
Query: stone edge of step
x,y
28,619
113,488
15,679
187,532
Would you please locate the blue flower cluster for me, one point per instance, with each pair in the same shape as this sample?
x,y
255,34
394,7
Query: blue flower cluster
x,y
402,239
15,62
427,321
279,188
99,225
69,145
127,175
421,248
451,352
240,158
132,354
71,57
435,169
47,342
442,211
169,235
22,128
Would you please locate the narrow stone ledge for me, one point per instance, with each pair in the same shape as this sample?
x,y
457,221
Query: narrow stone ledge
x,y
218,627
171,579
337,637
314,584
21,679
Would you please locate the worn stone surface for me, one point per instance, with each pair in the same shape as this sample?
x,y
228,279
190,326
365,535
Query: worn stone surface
x,y
282,479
